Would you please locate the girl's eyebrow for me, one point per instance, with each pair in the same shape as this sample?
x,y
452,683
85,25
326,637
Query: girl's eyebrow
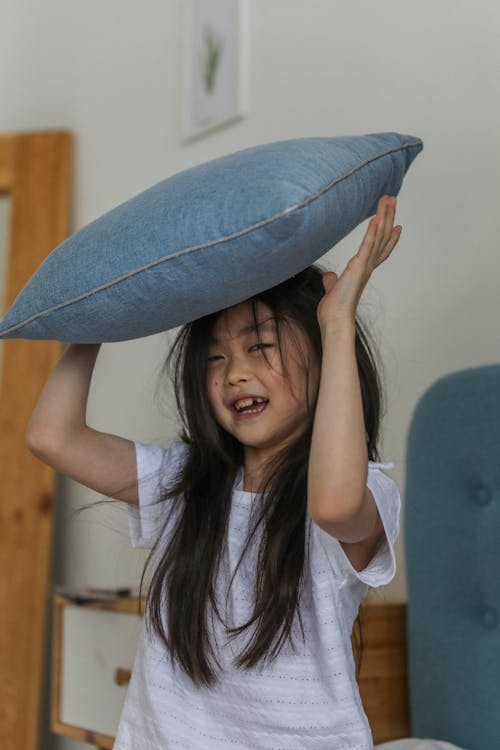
x,y
266,325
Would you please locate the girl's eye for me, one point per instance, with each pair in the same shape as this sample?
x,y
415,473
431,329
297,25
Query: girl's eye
x,y
214,357
261,345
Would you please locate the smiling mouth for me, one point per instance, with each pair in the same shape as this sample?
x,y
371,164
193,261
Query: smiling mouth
x,y
250,406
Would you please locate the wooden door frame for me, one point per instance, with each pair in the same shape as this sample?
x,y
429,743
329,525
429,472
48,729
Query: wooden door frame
x,y
35,172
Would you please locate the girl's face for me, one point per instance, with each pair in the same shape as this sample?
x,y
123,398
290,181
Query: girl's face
x,y
257,393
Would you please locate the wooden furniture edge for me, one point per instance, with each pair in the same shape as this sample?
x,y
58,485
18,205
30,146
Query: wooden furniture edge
x,y
383,678
126,605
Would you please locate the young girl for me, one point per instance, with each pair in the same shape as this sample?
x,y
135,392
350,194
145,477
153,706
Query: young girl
x,y
267,519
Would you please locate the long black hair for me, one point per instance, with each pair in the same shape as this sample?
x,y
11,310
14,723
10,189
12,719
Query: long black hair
x,y
183,584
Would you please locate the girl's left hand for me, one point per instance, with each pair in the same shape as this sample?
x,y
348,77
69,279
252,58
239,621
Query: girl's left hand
x,y
342,293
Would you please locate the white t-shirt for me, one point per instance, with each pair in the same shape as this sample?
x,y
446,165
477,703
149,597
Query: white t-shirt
x,y
307,700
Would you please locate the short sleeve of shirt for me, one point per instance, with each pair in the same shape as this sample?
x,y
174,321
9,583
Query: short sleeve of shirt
x,y
382,567
156,469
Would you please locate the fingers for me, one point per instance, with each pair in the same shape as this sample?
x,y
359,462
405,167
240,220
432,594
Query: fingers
x,y
389,246
387,212
381,236
389,234
342,293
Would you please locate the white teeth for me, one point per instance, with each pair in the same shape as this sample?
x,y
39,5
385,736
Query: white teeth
x,y
246,402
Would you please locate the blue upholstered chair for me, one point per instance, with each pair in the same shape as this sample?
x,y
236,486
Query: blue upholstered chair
x,y
452,540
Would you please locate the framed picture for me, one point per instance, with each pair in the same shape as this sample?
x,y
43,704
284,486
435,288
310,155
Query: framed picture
x,y
214,65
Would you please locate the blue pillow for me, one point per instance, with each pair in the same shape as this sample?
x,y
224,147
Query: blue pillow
x,y
208,238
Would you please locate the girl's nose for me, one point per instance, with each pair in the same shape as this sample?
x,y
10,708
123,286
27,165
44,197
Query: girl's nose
x,y
237,371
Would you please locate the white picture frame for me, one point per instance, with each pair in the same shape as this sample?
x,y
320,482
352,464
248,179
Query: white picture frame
x,y
214,65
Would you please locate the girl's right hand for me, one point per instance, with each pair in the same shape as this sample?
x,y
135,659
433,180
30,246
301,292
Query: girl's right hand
x,y
342,293
58,434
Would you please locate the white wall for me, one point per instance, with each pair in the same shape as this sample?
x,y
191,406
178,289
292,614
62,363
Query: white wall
x,y
110,71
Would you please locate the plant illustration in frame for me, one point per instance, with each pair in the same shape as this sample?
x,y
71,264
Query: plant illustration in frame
x,y
213,64
213,50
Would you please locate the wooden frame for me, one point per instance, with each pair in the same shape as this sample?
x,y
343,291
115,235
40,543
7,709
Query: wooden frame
x,y
35,173
382,680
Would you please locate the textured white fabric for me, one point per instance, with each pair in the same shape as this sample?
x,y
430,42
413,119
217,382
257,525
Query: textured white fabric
x,y
307,700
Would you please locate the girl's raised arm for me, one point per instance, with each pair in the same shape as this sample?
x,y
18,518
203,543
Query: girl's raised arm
x,y
58,433
338,498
